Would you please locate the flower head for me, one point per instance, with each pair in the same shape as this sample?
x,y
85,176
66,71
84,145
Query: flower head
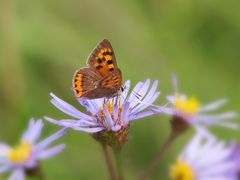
x,y
109,119
205,158
25,157
190,111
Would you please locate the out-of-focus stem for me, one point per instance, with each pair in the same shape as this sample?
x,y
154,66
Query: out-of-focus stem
x,y
109,162
118,158
178,127
154,162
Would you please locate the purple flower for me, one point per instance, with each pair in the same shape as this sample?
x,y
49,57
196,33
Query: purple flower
x,y
26,156
205,158
109,115
189,110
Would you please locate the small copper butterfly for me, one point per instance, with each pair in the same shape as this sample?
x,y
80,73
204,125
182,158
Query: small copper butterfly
x,y
101,77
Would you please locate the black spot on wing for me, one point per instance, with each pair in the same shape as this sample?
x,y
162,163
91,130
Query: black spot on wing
x,y
99,61
99,67
110,62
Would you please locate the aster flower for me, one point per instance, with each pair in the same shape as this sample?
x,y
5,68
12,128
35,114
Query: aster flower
x,y
205,158
189,110
108,120
25,157
236,155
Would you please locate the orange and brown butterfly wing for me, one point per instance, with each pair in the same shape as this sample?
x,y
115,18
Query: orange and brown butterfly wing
x,y
102,58
102,78
84,81
107,87
112,82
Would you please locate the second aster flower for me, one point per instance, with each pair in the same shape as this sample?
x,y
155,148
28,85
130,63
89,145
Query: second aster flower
x,y
188,111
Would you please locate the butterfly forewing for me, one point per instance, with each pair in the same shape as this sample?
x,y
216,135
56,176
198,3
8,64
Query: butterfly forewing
x,y
102,58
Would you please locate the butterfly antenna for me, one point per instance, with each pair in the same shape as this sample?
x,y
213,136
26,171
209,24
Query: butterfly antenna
x,y
137,95
139,98
141,102
152,105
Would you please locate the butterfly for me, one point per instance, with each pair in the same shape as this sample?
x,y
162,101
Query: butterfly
x,y
102,77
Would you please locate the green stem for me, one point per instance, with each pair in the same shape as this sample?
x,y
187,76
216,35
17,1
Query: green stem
x,y
109,161
118,158
154,162
40,175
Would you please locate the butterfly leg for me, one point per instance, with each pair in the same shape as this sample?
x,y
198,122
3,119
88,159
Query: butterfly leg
x,y
105,100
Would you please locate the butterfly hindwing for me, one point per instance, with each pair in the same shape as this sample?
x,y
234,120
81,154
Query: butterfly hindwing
x,y
85,80
102,58
112,81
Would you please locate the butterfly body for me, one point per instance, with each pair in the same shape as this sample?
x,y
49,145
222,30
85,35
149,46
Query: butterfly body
x,y
101,77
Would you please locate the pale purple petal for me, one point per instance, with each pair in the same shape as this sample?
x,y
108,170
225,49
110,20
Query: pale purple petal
x,y
90,105
109,121
71,123
47,142
4,168
17,174
4,149
64,123
116,128
142,92
50,152
172,99
115,112
145,104
216,119
124,94
135,90
33,132
125,113
213,106
175,84
99,102
166,110
189,151
142,115
76,125
89,130
219,168
148,99
68,109
227,125
31,163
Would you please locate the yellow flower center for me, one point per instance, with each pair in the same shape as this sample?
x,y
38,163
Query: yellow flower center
x,y
187,107
20,153
181,171
110,107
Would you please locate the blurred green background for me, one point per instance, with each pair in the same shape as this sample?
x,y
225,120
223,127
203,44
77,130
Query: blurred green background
x,y
43,42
